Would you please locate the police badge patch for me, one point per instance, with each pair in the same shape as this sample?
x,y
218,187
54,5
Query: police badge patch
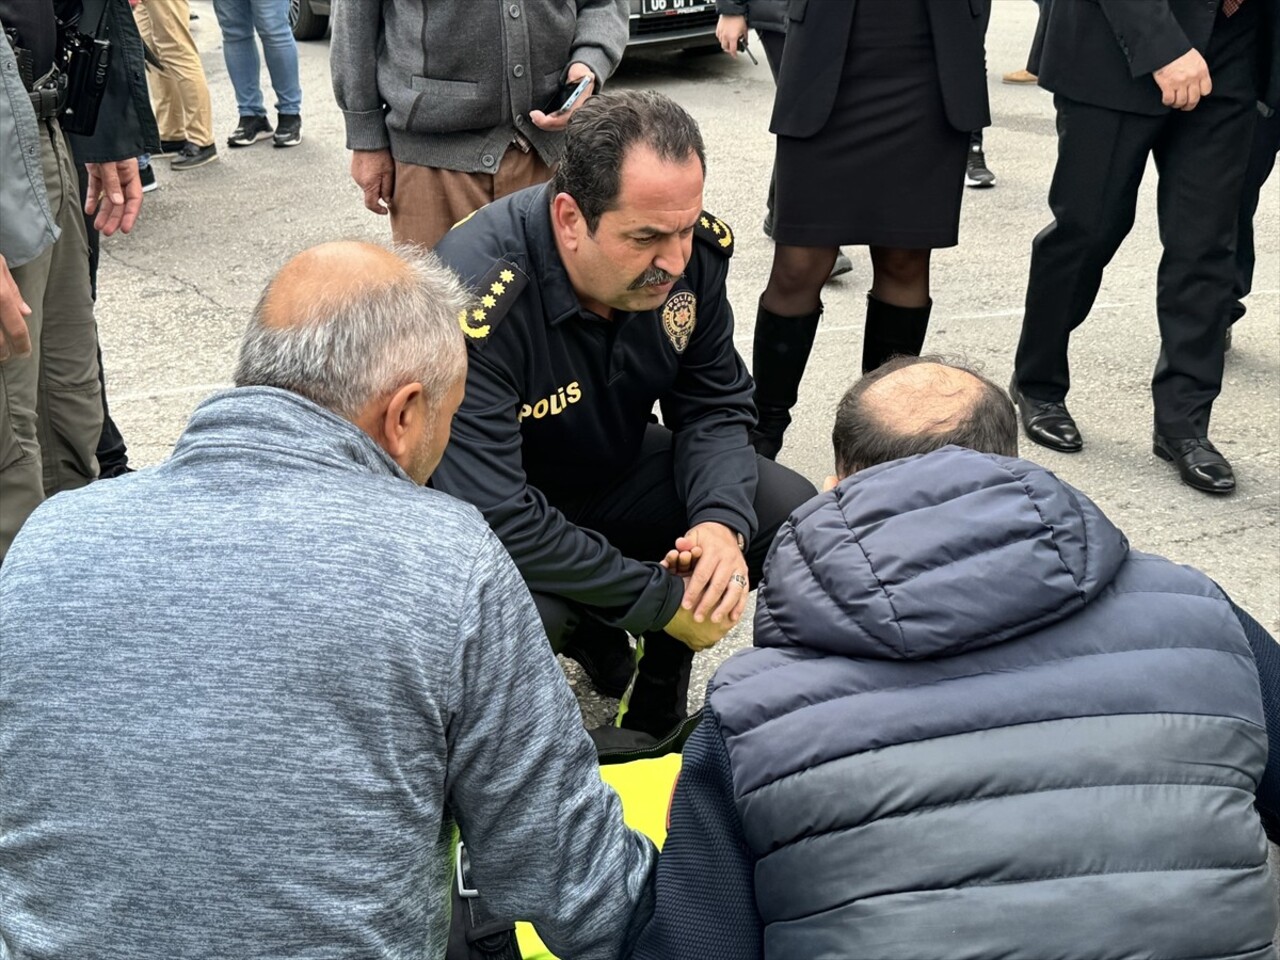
x,y
679,317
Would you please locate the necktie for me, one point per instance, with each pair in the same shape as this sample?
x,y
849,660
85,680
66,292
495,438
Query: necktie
x,y
1229,7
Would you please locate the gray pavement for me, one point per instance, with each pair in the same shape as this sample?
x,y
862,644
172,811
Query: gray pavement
x,y
176,293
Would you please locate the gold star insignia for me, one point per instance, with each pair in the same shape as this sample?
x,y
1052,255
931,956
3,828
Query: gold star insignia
x,y
498,288
705,222
506,276
716,228
478,314
487,300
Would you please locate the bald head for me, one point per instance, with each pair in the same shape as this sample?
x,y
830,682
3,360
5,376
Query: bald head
x,y
323,278
346,323
914,405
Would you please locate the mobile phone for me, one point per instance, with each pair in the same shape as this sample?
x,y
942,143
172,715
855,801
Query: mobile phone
x,y
567,96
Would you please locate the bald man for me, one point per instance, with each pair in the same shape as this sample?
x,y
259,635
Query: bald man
x,y
975,723
299,677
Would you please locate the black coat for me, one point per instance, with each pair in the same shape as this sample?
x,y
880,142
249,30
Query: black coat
x,y
768,16
1103,52
817,38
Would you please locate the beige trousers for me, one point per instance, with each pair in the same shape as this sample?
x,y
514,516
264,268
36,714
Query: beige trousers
x,y
179,94
50,402
427,201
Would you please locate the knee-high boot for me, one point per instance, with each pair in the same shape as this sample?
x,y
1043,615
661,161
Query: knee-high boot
x,y
891,331
782,346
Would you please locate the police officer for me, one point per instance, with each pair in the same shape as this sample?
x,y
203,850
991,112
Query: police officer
x,y
50,399
599,295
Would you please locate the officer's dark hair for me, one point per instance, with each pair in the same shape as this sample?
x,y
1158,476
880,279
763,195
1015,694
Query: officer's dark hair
x,y
872,429
601,132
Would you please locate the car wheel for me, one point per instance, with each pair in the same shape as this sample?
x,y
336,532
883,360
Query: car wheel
x,y
306,24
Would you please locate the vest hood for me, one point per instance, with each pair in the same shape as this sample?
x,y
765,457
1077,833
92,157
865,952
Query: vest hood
x,y
934,555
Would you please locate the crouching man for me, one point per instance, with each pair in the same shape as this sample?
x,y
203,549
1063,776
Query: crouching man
x,y
307,682
975,722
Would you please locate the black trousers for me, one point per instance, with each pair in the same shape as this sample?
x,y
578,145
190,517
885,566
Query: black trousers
x,y
113,455
1201,157
642,514
1262,160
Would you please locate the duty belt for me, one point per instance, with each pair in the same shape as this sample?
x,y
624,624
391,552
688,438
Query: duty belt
x,y
49,95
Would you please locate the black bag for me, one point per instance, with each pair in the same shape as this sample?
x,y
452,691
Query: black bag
x,y
474,933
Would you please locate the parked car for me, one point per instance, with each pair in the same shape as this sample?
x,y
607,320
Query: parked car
x,y
672,23
309,18
654,23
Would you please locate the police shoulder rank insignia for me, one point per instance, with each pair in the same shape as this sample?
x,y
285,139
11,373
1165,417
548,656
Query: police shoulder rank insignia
x,y
716,232
679,317
495,293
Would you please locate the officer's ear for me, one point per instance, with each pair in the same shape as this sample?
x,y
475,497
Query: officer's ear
x,y
567,221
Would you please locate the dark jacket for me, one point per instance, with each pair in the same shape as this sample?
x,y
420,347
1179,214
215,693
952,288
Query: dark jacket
x,y
817,42
767,16
126,125
1103,52
558,401
976,723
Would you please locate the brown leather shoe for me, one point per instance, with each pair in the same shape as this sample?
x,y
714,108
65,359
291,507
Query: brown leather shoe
x,y
1019,76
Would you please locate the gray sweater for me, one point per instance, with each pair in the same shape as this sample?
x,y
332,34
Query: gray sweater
x,y
245,697
450,83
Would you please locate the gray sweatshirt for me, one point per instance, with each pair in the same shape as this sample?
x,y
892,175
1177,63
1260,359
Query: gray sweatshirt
x,y
245,697
450,83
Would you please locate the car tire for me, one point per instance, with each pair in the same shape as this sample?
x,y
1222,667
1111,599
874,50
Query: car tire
x,y
306,24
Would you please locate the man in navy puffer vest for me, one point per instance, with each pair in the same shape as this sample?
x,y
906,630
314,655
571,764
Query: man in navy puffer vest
x,y
975,723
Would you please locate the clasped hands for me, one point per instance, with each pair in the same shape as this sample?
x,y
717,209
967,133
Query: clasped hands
x,y
714,572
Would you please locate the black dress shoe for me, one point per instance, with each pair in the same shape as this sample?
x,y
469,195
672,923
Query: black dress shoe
x,y
605,655
1047,423
1198,461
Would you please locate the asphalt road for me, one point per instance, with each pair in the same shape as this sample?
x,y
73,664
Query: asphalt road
x,y
176,293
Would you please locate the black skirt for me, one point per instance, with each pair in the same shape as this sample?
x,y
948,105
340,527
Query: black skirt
x,y
887,169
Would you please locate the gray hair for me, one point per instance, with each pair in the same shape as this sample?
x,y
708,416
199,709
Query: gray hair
x,y
348,351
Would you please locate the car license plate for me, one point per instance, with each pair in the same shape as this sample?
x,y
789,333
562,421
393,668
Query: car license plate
x,y
661,8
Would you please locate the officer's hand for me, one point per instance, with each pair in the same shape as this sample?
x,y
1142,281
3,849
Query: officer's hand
x,y
15,338
375,173
558,121
696,636
115,192
1184,81
718,585
731,31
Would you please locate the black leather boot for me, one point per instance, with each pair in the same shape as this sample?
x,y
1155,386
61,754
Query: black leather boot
x,y
782,346
892,331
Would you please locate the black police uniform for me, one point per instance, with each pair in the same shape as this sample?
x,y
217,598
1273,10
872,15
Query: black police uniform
x,y
556,444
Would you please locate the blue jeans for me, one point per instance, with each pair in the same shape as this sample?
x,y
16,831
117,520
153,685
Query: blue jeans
x,y
238,20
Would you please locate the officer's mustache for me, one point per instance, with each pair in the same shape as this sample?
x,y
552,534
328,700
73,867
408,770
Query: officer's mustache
x,y
652,277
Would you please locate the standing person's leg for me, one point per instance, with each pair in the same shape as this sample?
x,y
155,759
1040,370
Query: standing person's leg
x,y
165,101
1262,160
519,169
898,305
1093,203
184,72
786,324
113,455
70,394
1202,169
280,50
240,52
427,201
773,46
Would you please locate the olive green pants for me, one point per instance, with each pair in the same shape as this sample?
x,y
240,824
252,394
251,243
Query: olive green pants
x,y
51,402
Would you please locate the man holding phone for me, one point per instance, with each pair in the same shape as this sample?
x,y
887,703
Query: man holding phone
x,y
448,109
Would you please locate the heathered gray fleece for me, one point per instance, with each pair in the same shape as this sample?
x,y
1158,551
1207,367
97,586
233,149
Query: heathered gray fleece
x,y
245,695
450,83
